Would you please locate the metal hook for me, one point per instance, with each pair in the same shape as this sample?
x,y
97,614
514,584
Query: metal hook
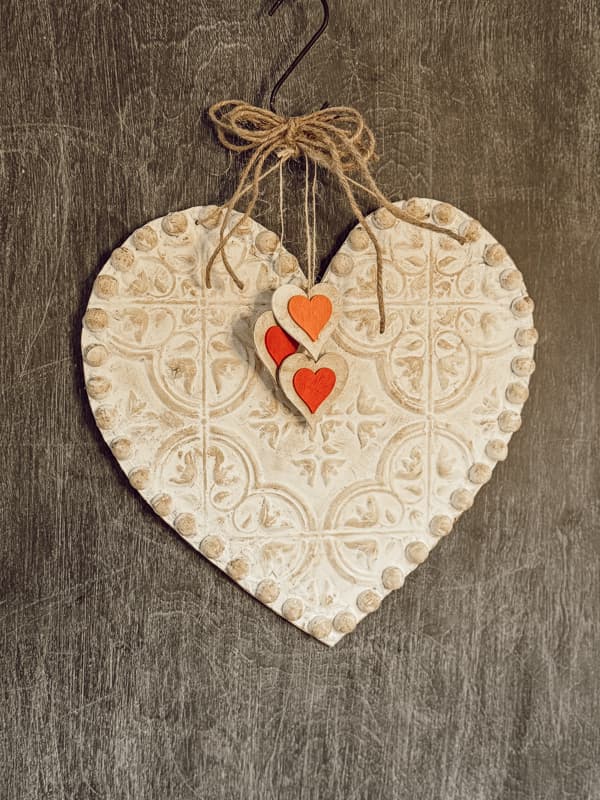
x,y
308,46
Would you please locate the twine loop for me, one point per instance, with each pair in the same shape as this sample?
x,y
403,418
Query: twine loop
x,y
336,139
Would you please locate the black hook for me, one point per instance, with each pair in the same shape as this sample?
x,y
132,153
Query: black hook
x,y
308,46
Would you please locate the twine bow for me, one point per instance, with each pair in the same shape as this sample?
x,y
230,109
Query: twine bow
x,y
336,139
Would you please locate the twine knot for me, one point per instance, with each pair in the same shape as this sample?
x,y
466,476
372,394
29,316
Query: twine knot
x,y
292,128
337,139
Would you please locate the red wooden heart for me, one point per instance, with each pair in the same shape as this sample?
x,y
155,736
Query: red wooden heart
x,y
314,387
311,315
279,345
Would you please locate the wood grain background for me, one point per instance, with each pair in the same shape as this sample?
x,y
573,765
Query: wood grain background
x,y
128,667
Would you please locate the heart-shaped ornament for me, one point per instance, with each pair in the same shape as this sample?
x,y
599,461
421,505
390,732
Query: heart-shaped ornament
x,y
318,524
310,320
272,343
313,386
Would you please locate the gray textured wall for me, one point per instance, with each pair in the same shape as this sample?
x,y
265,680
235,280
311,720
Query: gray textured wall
x,y
128,667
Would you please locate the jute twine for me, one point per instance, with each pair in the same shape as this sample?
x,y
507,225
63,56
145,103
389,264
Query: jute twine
x,y
336,139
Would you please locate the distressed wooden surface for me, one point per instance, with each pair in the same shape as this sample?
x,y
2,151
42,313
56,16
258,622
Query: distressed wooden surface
x,y
129,668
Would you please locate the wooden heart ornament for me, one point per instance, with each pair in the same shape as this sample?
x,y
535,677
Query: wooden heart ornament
x,y
311,319
318,523
272,343
313,386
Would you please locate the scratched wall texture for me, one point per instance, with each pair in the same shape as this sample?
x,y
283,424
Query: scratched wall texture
x,y
128,667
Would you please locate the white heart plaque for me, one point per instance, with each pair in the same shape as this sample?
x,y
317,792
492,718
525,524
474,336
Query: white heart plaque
x,y
318,524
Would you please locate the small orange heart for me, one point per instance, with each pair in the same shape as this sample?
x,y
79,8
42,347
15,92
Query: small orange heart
x,y
311,315
314,387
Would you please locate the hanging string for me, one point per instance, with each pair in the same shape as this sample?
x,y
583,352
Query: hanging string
x,y
336,139
309,257
314,223
281,214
